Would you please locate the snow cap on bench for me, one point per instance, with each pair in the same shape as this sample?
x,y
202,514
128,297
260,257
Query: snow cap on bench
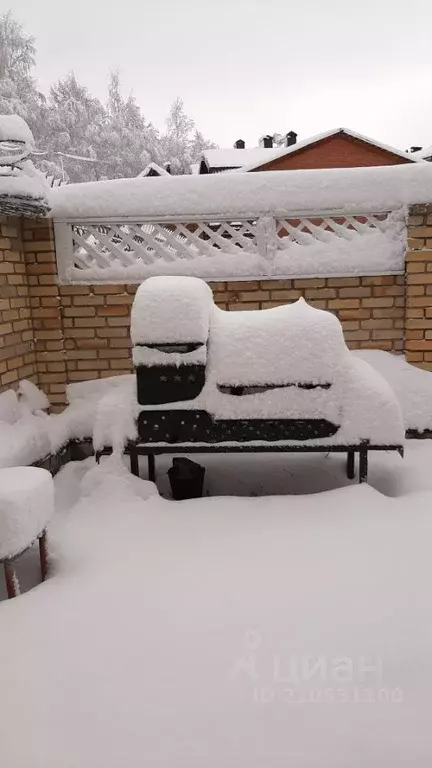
x,y
171,310
292,344
26,507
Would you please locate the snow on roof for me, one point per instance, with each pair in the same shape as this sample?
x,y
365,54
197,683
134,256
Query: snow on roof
x,y
423,154
14,128
237,158
344,190
283,151
157,169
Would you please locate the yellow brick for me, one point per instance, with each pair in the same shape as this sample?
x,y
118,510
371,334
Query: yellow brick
x,y
8,378
348,293
236,307
416,266
315,282
420,232
423,255
344,303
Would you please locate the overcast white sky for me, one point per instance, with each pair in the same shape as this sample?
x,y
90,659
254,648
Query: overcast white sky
x,y
249,67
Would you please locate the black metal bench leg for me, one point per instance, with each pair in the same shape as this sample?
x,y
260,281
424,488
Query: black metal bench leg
x,y
43,556
151,467
350,467
12,583
363,466
134,462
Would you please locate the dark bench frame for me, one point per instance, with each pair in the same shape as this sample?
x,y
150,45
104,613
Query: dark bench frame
x,y
151,450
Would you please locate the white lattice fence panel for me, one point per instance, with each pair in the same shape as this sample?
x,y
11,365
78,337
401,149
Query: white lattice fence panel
x,y
297,245
306,231
145,247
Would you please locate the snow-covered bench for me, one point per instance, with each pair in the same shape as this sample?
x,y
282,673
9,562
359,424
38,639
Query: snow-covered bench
x,y
26,507
276,380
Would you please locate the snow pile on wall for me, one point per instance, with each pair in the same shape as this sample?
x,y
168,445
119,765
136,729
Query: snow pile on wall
x,y
23,189
26,507
346,190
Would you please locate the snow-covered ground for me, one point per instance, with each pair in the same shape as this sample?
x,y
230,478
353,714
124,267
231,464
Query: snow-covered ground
x,y
228,631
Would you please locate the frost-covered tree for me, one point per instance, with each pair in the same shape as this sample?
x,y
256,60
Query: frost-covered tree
x,y
131,141
77,136
18,93
182,144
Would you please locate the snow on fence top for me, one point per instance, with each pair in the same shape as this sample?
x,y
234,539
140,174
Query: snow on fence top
x,y
346,190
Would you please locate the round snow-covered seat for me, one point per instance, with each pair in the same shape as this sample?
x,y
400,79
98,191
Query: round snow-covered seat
x,y
26,507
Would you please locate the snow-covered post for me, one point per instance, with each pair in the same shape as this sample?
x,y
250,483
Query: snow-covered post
x,y
26,507
267,240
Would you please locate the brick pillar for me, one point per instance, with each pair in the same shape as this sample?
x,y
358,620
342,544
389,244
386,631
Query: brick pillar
x,y
46,309
17,353
418,323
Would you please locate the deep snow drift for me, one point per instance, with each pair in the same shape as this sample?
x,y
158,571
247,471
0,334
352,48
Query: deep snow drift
x,y
222,632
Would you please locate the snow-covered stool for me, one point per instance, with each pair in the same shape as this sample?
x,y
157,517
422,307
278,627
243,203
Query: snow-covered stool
x,y
26,507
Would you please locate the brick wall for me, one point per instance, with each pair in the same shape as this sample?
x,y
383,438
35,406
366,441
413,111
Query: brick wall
x,y
17,352
59,334
418,333
371,309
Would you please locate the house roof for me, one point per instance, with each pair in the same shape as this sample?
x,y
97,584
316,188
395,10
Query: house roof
x,y
223,159
244,160
283,151
424,154
153,169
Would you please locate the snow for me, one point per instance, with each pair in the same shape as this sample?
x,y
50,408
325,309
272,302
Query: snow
x,y
423,154
171,309
149,356
9,407
227,632
153,167
14,128
32,397
295,343
413,386
344,190
22,195
237,158
26,507
26,438
275,349
251,158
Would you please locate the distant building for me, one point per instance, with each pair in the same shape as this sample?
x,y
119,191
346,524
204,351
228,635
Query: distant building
x,y
339,148
153,169
422,153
